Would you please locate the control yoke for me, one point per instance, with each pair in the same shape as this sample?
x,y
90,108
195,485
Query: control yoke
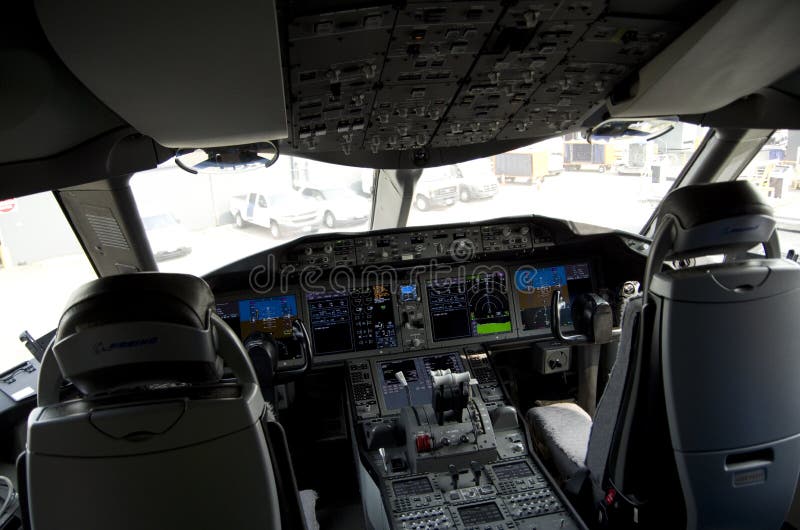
x,y
591,316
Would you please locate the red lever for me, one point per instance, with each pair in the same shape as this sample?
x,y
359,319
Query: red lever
x,y
424,443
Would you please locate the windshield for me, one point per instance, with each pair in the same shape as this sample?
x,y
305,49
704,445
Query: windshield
x,y
41,263
774,173
615,184
215,219
156,222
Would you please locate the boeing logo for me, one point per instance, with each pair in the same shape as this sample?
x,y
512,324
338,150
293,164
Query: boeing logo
x,y
101,347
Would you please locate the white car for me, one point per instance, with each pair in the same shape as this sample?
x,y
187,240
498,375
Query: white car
x,y
168,238
340,206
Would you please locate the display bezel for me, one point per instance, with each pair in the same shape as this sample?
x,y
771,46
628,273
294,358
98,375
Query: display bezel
x,y
545,332
352,354
469,269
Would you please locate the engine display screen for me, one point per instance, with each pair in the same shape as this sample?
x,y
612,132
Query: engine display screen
x,y
273,315
470,306
417,373
480,514
415,486
534,288
358,320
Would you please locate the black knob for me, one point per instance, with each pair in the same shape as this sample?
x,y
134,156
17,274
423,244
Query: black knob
x,y
453,475
477,469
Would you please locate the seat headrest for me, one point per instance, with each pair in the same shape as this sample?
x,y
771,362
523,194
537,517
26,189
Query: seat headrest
x,y
724,215
136,329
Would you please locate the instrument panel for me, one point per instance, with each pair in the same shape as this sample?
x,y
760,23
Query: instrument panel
x,y
413,309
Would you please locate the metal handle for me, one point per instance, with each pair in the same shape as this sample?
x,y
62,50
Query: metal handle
x,y
555,321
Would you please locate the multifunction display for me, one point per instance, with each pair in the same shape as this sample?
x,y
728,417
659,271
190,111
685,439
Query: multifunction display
x,y
415,486
417,374
273,315
469,306
534,288
480,514
358,320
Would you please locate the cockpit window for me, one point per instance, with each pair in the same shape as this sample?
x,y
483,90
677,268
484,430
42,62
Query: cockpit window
x,y
198,223
775,172
615,184
41,263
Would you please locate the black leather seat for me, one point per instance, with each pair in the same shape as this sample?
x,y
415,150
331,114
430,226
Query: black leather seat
x,y
155,438
697,427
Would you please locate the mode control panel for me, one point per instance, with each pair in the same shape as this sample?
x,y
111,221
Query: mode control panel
x,y
325,254
460,244
500,238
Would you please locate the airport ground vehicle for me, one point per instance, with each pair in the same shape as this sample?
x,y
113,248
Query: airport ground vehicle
x,y
339,207
168,238
579,154
529,167
475,180
350,334
437,189
288,211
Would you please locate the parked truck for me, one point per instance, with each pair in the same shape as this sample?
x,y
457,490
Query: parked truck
x,y
281,212
520,165
636,158
579,155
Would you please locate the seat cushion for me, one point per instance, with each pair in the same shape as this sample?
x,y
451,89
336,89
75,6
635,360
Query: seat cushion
x,y
563,429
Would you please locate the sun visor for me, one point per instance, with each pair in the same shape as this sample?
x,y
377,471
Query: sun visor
x,y
187,74
736,49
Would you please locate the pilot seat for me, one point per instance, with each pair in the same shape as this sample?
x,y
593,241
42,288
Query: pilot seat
x,y
153,432
698,424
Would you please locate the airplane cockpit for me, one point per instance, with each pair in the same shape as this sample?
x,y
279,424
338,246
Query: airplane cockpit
x,y
400,266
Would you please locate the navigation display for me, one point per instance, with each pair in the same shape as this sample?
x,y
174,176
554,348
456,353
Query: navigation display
x,y
417,373
470,306
534,288
358,320
272,315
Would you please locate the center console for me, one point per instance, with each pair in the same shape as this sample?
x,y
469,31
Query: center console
x,y
443,449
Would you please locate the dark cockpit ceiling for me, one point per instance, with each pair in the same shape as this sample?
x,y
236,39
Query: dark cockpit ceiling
x,y
391,85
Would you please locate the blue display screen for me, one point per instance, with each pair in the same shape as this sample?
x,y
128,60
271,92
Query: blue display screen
x,y
534,288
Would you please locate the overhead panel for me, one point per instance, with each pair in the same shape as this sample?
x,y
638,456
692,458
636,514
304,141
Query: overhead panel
x,y
433,47
424,75
335,61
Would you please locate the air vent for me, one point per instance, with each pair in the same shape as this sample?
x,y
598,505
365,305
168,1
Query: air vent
x,y
107,231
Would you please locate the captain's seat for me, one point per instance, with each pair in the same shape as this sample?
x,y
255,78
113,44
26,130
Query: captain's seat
x,y
151,434
698,425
